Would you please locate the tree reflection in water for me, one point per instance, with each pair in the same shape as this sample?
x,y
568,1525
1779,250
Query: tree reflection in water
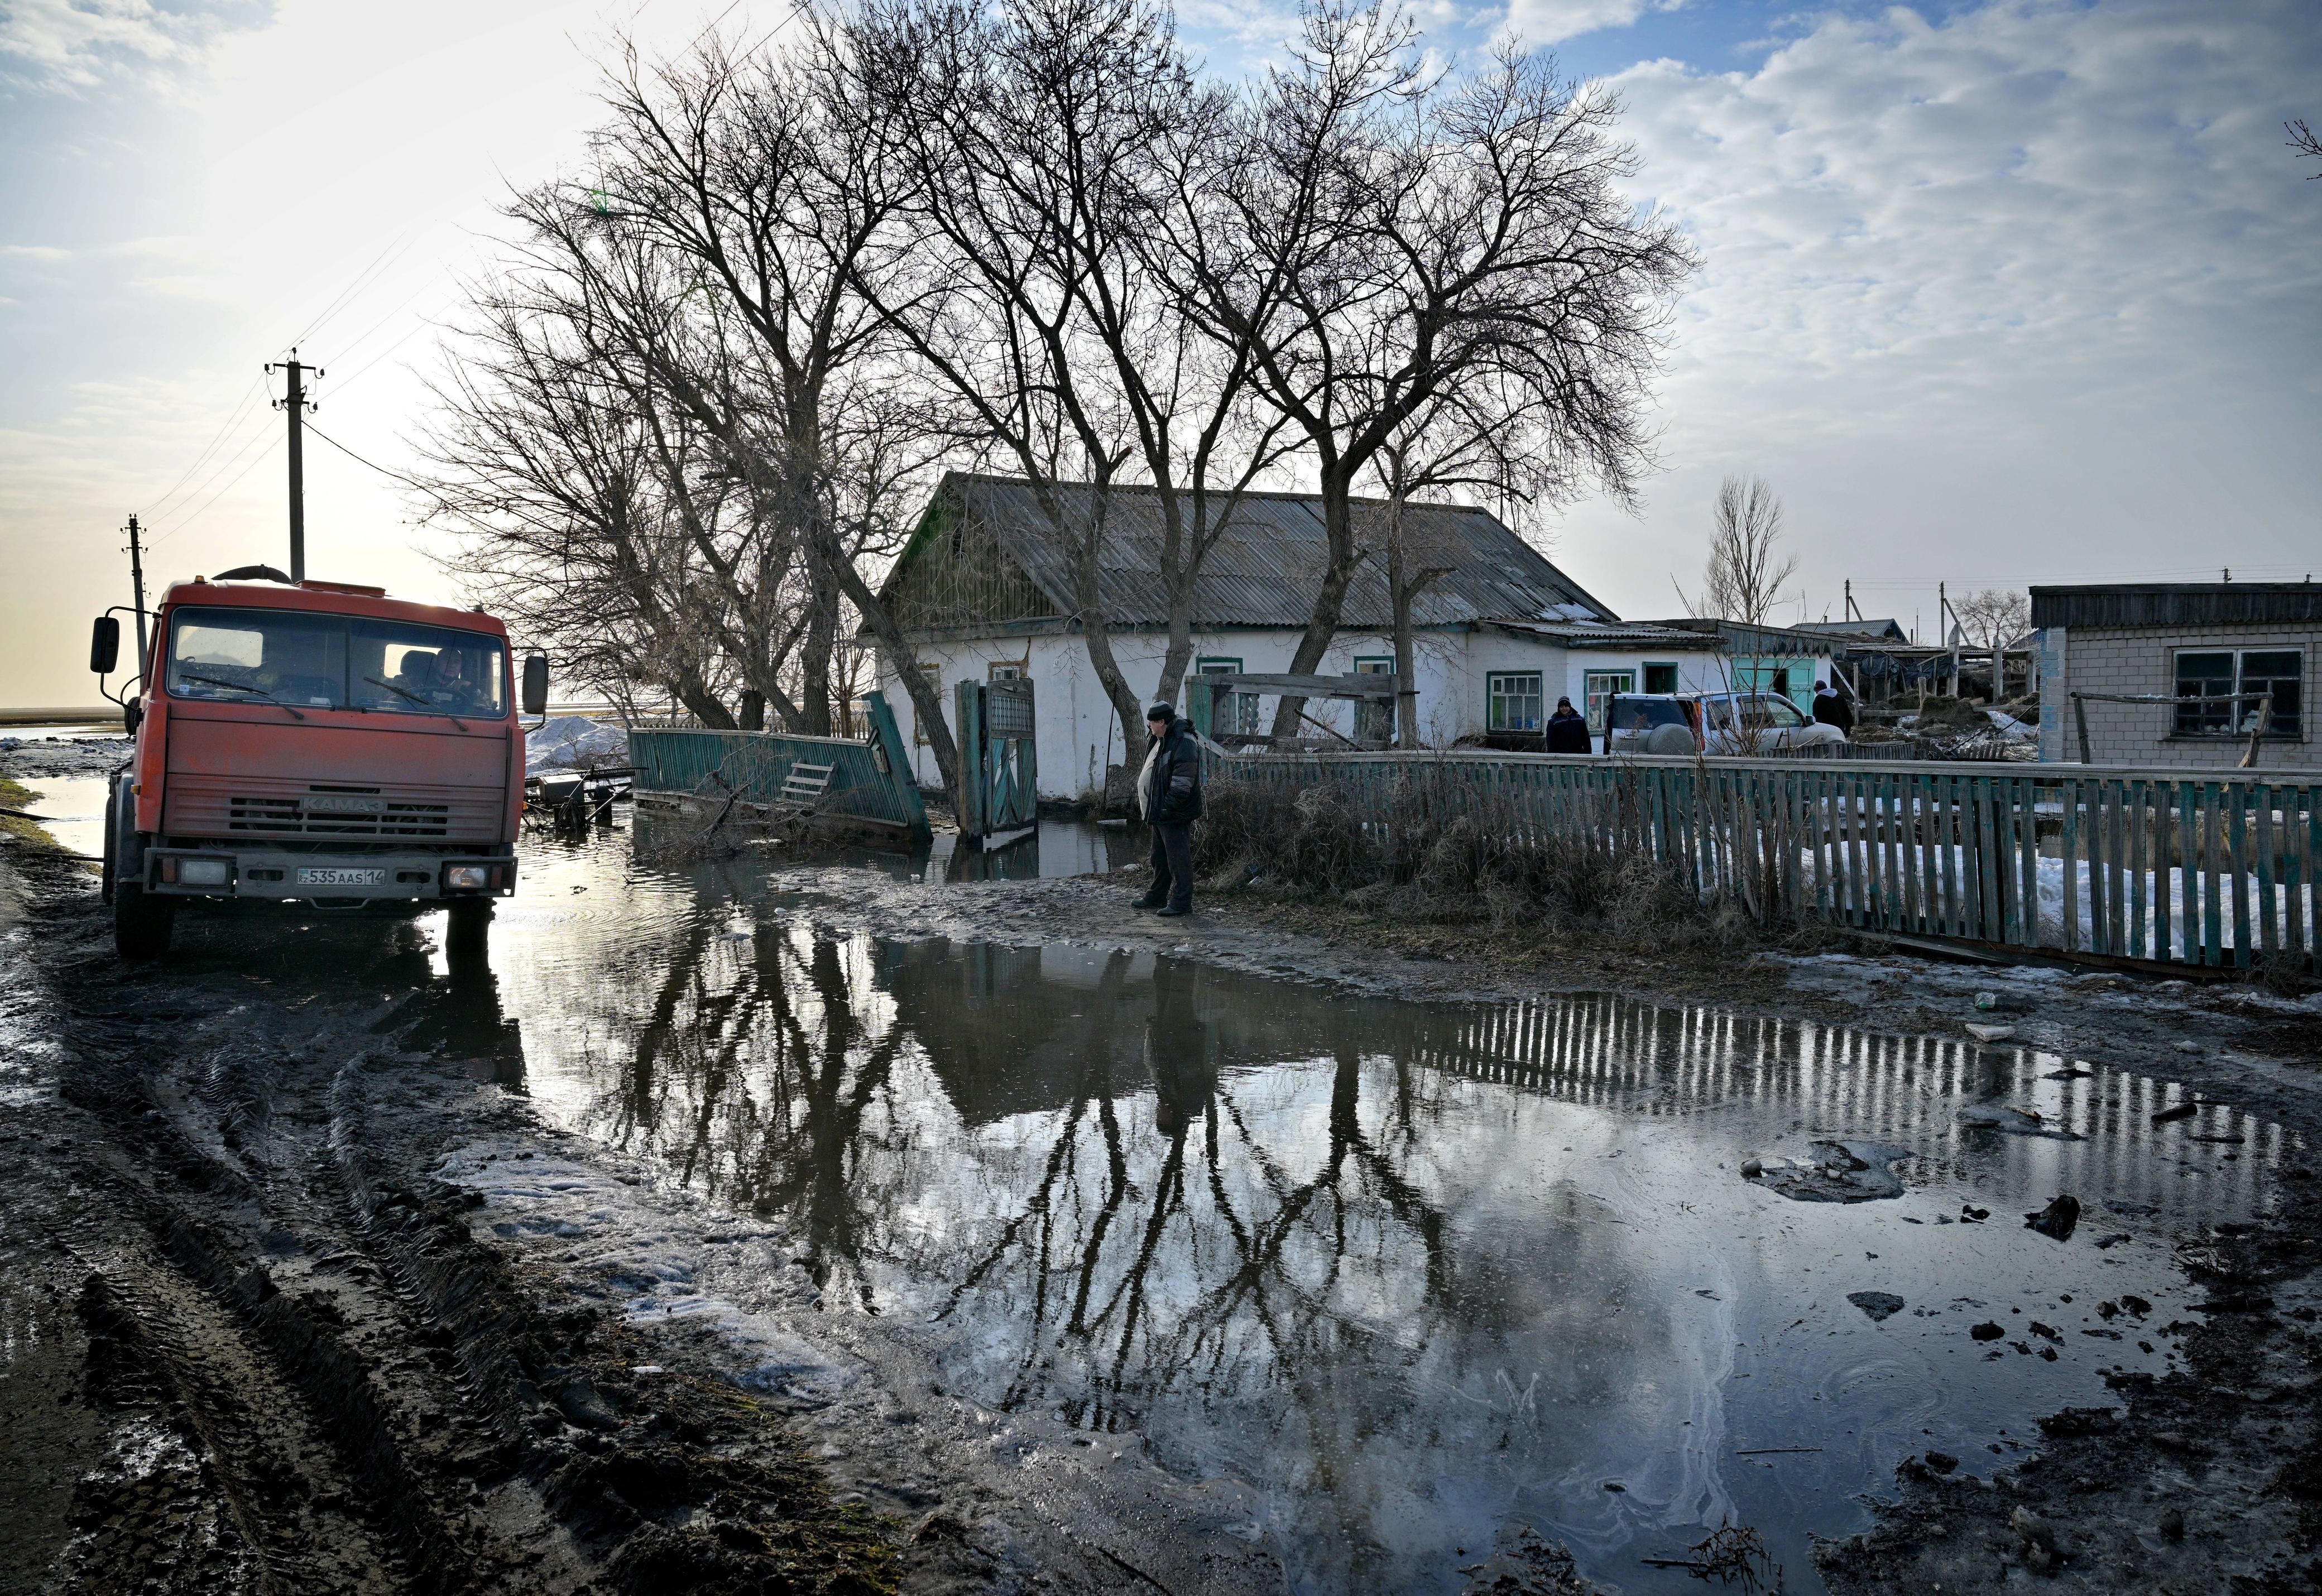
x,y
1412,1269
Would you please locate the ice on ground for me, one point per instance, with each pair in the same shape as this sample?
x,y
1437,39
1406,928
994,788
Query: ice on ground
x,y
573,742
643,1244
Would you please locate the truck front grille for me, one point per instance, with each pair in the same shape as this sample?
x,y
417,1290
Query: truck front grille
x,y
289,816
217,806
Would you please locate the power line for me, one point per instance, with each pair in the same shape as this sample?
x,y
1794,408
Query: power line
x,y
273,441
249,397
362,279
397,477
253,441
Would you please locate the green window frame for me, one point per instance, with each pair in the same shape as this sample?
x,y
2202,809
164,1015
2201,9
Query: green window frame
x,y
1604,686
1241,709
1661,676
1515,701
1374,664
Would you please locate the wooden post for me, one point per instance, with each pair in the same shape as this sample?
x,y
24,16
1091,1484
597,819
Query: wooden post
x,y
2257,729
2080,715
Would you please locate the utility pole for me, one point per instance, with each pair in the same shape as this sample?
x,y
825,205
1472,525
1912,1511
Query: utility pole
x,y
137,581
294,401
1853,614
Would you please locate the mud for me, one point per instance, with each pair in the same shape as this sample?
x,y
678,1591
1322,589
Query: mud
x,y
250,1347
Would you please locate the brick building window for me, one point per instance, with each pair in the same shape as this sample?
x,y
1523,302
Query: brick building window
x,y
2217,674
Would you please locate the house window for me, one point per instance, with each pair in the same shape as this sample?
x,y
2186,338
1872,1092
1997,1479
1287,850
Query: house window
x,y
1601,685
1008,670
1374,664
1660,679
1512,700
2216,675
1240,708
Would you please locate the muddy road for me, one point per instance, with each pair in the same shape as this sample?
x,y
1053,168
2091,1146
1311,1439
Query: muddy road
x,y
754,1227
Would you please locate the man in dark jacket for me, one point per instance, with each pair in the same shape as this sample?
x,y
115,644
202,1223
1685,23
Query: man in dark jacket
x,y
1567,730
1169,797
1831,709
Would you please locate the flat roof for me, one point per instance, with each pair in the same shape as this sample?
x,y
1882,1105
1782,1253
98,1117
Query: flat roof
x,y
2177,604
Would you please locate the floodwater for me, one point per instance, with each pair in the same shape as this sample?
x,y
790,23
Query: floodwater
x,y
1414,1271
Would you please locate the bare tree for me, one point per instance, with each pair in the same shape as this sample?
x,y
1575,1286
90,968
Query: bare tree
x,y
1401,238
1052,148
2302,138
1746,573
1995,617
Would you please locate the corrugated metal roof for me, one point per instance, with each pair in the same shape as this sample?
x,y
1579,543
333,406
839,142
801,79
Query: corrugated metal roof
x,y
1266,567
2178,604
1592,635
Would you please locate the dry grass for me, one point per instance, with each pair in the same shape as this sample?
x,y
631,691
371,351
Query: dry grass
x,y
1429,863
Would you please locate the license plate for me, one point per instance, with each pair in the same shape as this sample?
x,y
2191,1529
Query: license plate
x,y
313,876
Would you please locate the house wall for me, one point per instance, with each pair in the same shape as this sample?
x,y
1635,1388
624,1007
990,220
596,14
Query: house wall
x,y
2144,660
1074,717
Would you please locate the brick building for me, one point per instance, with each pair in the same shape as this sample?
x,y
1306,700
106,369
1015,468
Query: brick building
x,y
2189,647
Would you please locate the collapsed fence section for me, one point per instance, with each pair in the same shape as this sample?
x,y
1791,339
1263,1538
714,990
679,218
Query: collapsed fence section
x,y
2215,870
867,781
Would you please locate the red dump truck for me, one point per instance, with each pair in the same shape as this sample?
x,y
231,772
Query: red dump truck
x,y
317,742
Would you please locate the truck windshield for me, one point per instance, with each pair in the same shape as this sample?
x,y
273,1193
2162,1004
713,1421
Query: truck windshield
x,y
334,662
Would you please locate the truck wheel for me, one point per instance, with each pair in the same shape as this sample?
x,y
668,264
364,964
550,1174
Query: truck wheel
x,y
141,923
467,932
112,839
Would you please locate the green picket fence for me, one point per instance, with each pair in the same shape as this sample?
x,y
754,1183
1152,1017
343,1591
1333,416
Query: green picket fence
x,y
2214,869
869,780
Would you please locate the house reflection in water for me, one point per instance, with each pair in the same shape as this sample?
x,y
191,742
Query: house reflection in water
x,y
1412,1269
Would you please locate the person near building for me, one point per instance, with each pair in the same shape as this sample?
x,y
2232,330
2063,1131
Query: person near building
x,y
1169,797
1831,709
1567,730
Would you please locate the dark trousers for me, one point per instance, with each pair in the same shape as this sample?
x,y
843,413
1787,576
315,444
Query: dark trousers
x,y
1173,864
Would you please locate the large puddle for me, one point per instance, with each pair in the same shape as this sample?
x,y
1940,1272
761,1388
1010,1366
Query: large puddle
x,y
1411,1270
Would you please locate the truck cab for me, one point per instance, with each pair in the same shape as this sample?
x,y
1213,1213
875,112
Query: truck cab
x,y
318,741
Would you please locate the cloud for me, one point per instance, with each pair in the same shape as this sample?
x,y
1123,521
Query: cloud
x,y
77,44
1548,21
2003,291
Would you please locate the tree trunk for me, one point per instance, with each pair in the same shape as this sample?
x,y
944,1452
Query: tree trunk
x,y
1330,603
1406,677
926,702
754,710
704,706
821,639
1096,634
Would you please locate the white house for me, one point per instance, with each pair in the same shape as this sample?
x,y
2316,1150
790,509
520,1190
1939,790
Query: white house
x,y
985,589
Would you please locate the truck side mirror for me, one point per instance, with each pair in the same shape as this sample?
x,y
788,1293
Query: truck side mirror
x,y
105,645
536,684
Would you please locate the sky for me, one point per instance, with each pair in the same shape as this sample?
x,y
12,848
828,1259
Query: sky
x,y
1991,294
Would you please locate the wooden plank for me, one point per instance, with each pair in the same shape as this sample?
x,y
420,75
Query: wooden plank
x,y
2072,848
2162,797
2212,932
2261,846
2135,800
2293,873
2237,868
1989,869
2027,859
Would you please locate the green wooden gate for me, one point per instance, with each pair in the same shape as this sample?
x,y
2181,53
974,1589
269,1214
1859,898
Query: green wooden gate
x,y
999,774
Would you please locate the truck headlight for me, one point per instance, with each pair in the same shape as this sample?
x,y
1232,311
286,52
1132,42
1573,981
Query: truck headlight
x,y
202,872
467,876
